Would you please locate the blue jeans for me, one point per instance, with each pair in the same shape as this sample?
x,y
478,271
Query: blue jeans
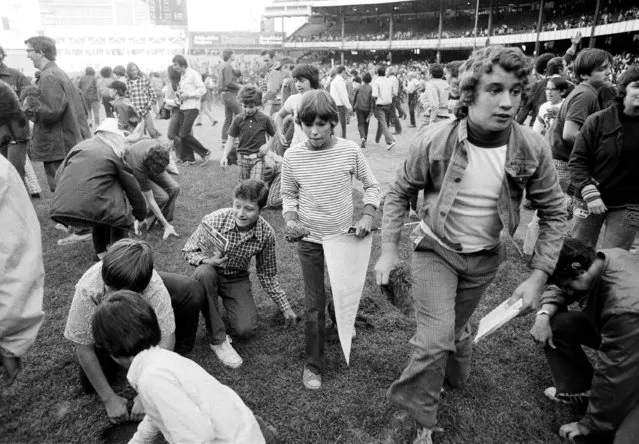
x,y
447,287
231,109
312,262
617,234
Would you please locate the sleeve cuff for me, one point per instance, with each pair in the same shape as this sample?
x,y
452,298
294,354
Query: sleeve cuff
x,y
290,215
370,210
590,193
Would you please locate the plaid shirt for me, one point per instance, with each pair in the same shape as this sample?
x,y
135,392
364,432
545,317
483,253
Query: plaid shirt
x,y
243,245
141,94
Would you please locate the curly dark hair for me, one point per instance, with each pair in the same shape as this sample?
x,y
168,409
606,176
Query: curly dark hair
x,y
156,160
250,95
481,62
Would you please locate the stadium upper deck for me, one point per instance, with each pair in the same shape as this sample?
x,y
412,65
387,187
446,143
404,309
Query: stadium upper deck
x,y
409,25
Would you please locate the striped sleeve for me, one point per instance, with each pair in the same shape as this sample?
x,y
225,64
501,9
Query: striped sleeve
x,y
364,174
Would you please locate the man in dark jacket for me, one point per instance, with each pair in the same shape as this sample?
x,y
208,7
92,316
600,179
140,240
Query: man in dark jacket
x,y
605,283
61,120
97,189
13,77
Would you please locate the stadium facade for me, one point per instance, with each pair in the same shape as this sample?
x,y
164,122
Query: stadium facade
x,y
431,28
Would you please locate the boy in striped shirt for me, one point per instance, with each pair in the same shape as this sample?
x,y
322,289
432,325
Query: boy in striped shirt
x,y
317,199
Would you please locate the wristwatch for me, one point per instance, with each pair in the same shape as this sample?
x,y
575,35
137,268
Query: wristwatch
x,y
544,312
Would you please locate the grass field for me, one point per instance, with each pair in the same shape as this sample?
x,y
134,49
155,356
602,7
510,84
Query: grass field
x,y
503,402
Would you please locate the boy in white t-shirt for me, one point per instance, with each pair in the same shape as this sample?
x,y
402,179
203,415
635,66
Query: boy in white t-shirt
x,y
306,78
182,400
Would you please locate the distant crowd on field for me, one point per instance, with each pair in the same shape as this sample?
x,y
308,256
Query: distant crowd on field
x,y
497,132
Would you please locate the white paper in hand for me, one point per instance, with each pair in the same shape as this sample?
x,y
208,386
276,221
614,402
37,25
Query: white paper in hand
x,y
347,258
498,317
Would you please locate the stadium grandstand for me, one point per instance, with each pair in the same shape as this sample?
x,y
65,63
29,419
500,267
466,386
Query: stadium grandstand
x,y
447,29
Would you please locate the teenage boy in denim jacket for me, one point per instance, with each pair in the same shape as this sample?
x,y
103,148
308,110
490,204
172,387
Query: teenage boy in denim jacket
x,y
474,171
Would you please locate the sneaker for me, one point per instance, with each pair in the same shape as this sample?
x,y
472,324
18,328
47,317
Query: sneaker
x,y
188,162
61,227
567,398
311,380
363,145
227,354
74,239
206,159
390,146
424,436
198,124
214,123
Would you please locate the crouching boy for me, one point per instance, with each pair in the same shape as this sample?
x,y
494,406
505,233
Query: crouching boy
x,y
605,285
182,401
226,273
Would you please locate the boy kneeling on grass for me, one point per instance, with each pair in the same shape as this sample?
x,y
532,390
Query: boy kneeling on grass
x,y
605,283
182,400
226,273
252,127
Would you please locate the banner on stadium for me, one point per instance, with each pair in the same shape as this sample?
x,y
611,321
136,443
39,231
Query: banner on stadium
x,y
216,40
347,258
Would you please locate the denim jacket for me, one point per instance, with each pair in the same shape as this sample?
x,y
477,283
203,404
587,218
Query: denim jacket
x,y
436,162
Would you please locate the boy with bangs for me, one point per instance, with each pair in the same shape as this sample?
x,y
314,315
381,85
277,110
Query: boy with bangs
x,y
175,299
592,68
182,400
253,128
474,171
306,78
317,193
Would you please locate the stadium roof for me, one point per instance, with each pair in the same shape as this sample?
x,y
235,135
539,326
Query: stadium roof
x,y
359,7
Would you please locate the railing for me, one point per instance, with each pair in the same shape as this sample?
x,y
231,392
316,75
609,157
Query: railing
x,y
466,42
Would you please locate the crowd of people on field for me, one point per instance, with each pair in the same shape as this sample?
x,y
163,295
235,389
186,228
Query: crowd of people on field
x,y
497,132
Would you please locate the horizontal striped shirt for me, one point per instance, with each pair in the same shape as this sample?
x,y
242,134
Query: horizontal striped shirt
x,y
318,186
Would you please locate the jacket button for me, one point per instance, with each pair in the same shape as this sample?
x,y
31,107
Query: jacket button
x,y
442,213
458,179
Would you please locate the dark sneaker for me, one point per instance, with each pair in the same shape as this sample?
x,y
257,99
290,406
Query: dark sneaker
x,y
390,146
363,145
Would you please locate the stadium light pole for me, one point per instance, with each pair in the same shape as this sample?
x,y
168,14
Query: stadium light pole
x,y
591,43
476,23
441,29
539,22
490,21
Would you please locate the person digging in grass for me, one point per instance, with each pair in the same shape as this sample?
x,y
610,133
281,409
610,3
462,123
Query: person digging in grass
x,y
148,159
22,276
317,193
473,171
181,399
175,299
605,284
226,273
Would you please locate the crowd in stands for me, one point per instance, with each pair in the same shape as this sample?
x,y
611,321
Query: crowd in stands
x,y
565,15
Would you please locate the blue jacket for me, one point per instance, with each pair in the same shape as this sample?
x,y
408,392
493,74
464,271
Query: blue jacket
x,y
436,162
